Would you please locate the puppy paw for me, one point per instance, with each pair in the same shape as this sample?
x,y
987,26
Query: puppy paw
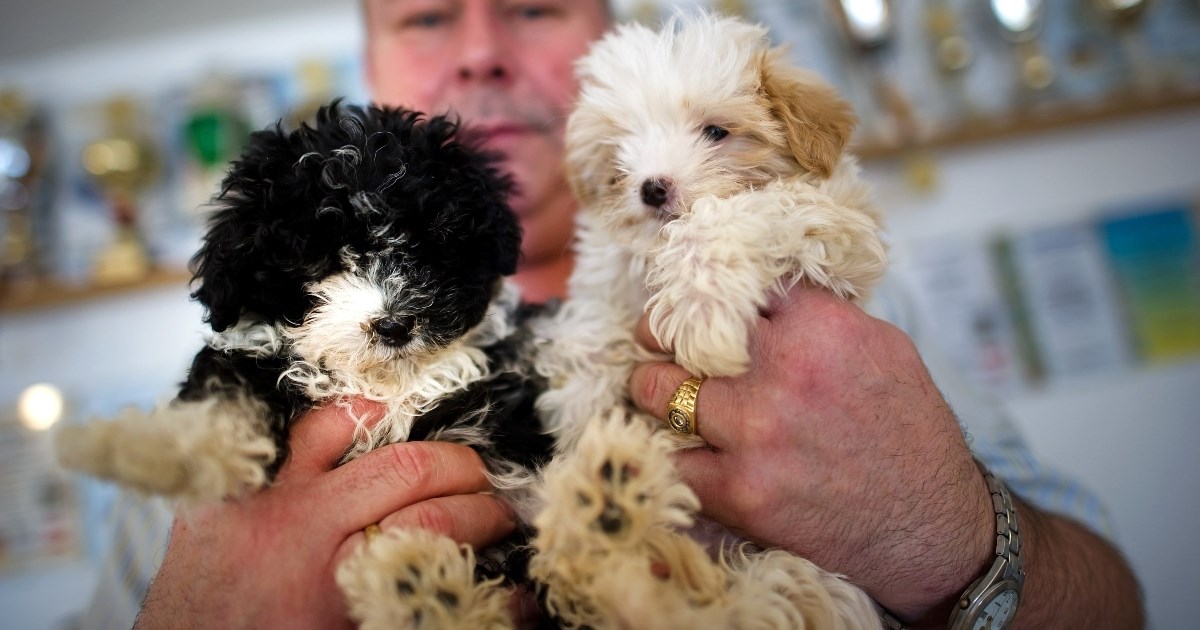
x,y
618,484
419,579
200,452
147,462
782,589
710,337
713,351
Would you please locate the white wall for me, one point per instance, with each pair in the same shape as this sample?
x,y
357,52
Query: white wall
x,y
1131,437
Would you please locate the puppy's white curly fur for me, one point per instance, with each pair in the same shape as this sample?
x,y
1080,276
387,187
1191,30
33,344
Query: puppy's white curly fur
x,y
774,202
711,176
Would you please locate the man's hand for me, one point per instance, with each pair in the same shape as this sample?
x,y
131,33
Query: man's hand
x,y
269,559
836,445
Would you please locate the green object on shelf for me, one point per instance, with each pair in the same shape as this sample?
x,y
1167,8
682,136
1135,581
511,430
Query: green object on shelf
x,y
215,136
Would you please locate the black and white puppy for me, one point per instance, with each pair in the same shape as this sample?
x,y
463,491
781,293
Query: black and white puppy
x,y
362,256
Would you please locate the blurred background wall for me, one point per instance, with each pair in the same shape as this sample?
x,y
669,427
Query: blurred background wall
x,y
1040,199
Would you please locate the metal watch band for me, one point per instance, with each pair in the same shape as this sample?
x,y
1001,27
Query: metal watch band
x,y
1007,566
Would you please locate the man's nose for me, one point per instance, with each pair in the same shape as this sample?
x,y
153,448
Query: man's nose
x,y
484,51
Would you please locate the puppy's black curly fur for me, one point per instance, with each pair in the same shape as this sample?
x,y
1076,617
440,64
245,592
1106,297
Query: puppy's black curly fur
x,y
293,201
396,197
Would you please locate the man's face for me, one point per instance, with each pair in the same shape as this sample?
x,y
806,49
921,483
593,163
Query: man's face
x,y
505,66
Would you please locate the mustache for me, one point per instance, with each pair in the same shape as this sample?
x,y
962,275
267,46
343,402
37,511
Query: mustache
x,y
490,107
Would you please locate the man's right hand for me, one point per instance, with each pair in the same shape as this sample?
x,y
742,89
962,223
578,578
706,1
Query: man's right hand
x,y
269,558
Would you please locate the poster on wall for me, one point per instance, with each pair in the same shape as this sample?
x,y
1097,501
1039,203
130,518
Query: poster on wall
x,y
1063,284
1155,258
959,292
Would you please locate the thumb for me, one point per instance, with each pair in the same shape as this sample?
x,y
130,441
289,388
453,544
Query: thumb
x,y
320,436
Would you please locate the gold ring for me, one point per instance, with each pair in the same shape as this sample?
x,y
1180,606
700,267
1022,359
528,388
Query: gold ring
x,y
681,411
372,531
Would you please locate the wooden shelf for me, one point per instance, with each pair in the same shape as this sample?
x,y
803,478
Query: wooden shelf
x,y
18,297
1038,120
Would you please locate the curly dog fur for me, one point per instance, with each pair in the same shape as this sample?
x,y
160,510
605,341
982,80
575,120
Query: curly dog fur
x,y
712,177
362,256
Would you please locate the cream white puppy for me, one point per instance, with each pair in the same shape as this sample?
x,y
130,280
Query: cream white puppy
x,y
711,175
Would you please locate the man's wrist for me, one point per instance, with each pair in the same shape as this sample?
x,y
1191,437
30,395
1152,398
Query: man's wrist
x,y
976,542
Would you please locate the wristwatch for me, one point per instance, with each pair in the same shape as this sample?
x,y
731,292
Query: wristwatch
x,y
991,601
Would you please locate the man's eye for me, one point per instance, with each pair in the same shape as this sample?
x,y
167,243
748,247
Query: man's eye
x,y
533,11
715,133
424,20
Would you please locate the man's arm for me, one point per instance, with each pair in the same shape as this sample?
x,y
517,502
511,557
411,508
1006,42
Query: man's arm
x,y
838,446
1074,578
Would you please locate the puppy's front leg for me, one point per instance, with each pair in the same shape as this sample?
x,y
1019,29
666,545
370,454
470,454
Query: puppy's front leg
x,y
612,509
722,261
195,451
218,438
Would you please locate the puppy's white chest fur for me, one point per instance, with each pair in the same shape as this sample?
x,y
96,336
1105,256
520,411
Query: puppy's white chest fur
x,y
339,368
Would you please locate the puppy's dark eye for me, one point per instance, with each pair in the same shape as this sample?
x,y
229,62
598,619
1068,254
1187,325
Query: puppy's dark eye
x,y
714,133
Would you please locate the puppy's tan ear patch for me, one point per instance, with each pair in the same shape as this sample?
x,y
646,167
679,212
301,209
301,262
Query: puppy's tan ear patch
x,y
817,121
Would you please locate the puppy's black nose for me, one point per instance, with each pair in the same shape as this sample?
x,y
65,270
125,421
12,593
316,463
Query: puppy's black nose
x,y
612,519
654,192
394,330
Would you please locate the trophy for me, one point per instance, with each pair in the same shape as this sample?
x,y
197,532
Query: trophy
x,y
316,85
214,132
1125,16
953,54
647,12
1020,23
868,26
24,143
123,165
737,8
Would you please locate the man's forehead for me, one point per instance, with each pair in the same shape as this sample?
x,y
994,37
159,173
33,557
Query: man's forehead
x,y
603,3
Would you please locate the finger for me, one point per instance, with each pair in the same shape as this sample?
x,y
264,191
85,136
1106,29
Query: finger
x,y
393,477
645,337
478,520
652,385
321,436
706,472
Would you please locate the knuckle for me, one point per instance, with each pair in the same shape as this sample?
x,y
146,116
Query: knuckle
x,y
844,321
432,516
758,430
751,507
412,464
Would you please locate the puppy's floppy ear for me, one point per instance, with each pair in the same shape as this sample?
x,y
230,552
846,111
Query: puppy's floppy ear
x,y
216,267
817,121
589,159
229,267
472,195
264,239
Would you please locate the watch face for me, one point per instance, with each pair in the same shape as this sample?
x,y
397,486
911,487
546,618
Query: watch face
x,y
998,612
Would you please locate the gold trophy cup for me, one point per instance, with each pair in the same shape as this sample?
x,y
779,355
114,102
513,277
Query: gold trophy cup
x,y
124,165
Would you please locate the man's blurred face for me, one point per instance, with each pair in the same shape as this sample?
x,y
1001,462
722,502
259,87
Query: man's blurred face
x,y
505,66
